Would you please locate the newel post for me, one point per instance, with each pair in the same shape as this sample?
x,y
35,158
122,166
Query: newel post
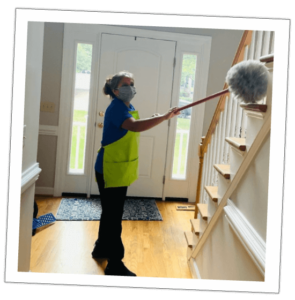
x,y
201,158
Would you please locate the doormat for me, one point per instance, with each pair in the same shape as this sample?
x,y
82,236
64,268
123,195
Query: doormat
x,y
90,210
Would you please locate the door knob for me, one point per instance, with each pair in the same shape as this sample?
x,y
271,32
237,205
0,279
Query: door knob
x,y
101,113
100,125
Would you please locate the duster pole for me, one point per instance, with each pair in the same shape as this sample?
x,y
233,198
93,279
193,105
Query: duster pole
x,y
203,100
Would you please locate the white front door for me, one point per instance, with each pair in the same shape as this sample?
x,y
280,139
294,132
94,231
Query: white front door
x,y
152,63
93,52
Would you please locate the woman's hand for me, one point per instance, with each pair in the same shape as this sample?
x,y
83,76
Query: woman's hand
x,y
171,113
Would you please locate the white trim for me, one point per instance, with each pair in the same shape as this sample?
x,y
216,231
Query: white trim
x,y
247,234
30,176
194,269
48,130
255,114
40,190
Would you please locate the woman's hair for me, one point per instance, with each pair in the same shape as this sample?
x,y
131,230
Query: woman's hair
x,y
112,83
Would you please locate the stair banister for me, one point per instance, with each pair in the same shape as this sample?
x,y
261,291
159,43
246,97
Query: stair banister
x,y
246,40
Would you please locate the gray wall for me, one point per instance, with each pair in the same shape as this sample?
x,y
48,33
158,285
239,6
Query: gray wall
x,y
51,84
223,48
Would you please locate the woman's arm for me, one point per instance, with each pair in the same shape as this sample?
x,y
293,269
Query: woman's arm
x,y
145,124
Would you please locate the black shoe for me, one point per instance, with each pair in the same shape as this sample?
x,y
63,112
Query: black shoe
x,y
117,269
97,253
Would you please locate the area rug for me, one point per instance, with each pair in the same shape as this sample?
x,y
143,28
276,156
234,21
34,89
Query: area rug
x,y
74,209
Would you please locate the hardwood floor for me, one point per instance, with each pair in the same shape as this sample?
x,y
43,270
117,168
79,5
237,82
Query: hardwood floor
x,y
152,248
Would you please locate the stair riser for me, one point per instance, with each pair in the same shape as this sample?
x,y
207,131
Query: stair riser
x,y
212,206
236,158
222,186
254,124
203,225
196,239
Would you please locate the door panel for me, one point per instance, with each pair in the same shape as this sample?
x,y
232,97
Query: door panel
x,y
151,62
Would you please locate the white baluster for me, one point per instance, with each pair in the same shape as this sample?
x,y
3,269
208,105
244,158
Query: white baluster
x,y
214,154
203,178
233,122
208,168
258,45
266,43
238,125
228,126
211,159
224,125
272,42
244,117
252,46
219,143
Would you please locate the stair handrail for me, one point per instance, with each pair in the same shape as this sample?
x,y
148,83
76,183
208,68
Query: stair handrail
x,y
203,146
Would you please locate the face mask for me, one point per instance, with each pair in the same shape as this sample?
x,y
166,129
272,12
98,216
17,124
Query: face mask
x,y
126,93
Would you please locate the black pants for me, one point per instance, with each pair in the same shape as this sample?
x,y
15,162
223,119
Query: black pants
x,y
110,227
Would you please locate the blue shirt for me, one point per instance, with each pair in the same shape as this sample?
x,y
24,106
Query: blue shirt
x,y
116,113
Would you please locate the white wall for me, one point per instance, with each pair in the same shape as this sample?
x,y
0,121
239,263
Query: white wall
x,y
223,256
30,168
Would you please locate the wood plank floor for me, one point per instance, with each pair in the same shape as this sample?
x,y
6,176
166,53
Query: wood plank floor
x,y
152,248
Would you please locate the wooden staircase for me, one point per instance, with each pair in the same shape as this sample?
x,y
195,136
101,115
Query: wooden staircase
x,y
223,223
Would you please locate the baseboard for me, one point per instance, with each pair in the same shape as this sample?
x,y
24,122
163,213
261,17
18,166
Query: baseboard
x,y
132,197
77,195
176,199
40,190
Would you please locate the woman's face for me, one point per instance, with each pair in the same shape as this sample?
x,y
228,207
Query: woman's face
x,y
125,81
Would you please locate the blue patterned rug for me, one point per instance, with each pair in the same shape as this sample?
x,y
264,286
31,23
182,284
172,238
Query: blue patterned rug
x,y
90,210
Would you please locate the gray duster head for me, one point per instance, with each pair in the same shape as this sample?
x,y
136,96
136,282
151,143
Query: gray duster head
x,y
248,80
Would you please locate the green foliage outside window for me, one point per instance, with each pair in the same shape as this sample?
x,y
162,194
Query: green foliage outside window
x,y
84,55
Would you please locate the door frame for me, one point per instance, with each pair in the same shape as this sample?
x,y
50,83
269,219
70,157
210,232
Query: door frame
x,y
185,43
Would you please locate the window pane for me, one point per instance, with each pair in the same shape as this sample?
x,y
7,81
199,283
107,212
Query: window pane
x,y
186,95
80,113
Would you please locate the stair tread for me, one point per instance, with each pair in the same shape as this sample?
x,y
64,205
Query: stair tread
x,y
203,209
254,107
267,58
224,170
189,238
196,225
239,143
212,192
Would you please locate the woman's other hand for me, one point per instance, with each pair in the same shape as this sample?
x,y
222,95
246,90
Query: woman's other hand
x,y
155,115
171,113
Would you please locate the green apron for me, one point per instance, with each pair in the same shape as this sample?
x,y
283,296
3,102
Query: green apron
x,y
120,159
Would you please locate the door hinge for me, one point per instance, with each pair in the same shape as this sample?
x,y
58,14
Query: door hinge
x,y
174,63
95,124
164,179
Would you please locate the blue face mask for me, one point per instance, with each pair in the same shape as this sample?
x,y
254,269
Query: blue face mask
x,y
126,93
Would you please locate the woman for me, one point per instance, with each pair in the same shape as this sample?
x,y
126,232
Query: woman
x,y
116,166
